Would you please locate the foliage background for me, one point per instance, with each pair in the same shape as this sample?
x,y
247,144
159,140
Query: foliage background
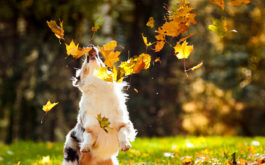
x,y
224,97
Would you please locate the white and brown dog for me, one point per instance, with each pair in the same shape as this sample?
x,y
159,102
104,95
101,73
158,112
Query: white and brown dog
x,y
87,142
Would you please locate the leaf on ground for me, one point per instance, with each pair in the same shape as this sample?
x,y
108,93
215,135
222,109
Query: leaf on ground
x,y
150,22
104,123
219,27
56,29
220,3
238,2
48,106
75,50
183,51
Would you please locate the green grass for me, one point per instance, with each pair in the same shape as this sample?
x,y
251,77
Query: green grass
x,y
168,150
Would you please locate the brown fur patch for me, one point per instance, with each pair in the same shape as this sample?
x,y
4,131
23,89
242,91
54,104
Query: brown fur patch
x,y
87,159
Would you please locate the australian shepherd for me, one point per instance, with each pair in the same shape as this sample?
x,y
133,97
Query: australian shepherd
x,y
87,143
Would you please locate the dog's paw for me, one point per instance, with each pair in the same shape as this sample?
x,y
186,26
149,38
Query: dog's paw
x,y
125,145
85,147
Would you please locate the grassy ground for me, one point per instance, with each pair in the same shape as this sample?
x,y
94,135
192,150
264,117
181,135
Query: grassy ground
x,y
168,151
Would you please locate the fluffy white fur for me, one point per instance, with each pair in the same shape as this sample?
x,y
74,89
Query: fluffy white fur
x,y
107,99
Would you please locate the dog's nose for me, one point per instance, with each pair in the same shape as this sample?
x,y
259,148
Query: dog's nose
x,y
92,53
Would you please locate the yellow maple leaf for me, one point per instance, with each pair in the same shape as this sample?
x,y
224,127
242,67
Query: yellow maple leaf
x,y
135,64
145,41
110,45
219,27
110,76
142,62
220,3
56,29
110,56
75,50
150,22
238,2
48,106
183,51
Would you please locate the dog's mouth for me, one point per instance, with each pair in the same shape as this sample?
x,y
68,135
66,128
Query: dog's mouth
x,y
92,54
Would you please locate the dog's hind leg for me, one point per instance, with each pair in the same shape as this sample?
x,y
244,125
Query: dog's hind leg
x,y
71,146
126,134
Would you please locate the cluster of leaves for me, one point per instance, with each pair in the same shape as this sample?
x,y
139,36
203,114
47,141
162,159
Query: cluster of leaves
x,y
219,26
177,22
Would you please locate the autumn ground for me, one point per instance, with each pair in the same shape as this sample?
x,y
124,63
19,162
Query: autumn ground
x,y
169,151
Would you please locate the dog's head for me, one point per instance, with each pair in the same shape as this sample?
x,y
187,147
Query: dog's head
x,y
86,75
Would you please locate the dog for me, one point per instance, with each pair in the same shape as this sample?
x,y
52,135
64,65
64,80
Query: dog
x,y
88,143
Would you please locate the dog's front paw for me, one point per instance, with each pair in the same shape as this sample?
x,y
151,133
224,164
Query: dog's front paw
x,y
85,147
125,145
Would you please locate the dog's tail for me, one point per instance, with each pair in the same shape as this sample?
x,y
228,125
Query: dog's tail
x,y
71,146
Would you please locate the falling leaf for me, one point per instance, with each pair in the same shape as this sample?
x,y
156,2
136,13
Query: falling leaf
x,y
183,51
145,41
188,36
143,62
48,106
97,24
219,3
219,27
110,76
136,90
104,123
238,2
110,55
196,67
75,50
159,46
56,29
150,22
158,59
110,45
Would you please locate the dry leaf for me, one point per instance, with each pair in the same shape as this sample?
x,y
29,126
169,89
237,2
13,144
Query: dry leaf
x,y
183,51
219,27
150,22
57,30
145,41
48,106
110,45
104,123
75,50
159,46
136,90
188,36
158,59
220,3
238,2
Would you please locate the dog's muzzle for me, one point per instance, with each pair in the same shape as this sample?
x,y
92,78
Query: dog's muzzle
x,y
92,54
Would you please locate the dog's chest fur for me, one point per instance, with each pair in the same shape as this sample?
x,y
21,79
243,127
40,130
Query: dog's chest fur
x,y
106,99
